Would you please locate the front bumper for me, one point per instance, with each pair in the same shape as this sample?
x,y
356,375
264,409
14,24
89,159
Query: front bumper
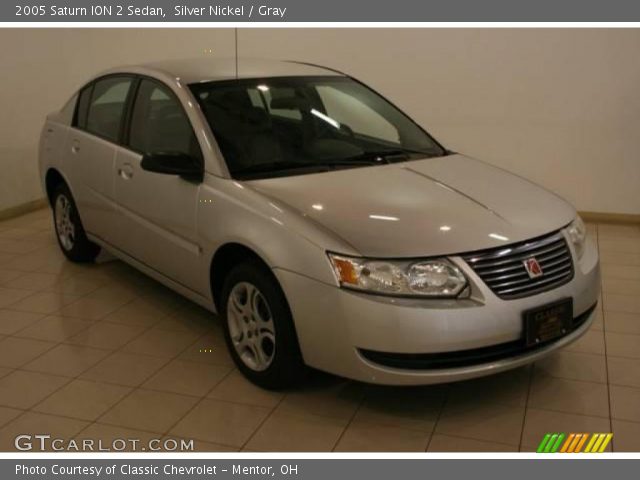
x,y
335,325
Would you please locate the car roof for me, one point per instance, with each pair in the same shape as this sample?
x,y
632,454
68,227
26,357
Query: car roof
x,y
209,68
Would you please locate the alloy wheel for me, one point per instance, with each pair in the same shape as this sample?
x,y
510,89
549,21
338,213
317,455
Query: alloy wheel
x,y
251,326
64,225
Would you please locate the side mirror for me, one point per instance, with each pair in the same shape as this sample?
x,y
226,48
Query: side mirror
x,y
172,163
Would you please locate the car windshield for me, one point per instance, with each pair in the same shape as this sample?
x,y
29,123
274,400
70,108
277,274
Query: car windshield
x,y
296,125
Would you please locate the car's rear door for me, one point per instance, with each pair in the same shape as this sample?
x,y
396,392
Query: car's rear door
x,y
157,221
91,150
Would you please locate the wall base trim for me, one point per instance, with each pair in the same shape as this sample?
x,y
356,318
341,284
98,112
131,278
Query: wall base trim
x,y
23,208
602,217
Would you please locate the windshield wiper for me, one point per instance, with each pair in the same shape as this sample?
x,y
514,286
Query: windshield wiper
x,y
384,156
277,168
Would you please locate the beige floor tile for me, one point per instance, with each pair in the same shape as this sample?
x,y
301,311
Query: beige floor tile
x,y
54,328
7,414
622,287
149,411
236,388
413,408
619,322
5,258
625,403
75,284
12,321
5,371
620,245
106,335
32,423
369,437
36,281
15,352
621,303
624,371
11,296
622,272
69,360
180,323
25,389
19,246
626,436
326,396
43,302
540,422
110,438
447,443
482,421
574,366
91,308
617,258
290,432
210,349
507,388
137,312
612,230
598,321
187,378
623,345
82,399
221,422
124,368
570,396
591,342
6,275
161,343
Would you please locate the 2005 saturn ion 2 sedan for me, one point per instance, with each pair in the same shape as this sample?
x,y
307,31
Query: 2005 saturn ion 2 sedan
x,y
324,226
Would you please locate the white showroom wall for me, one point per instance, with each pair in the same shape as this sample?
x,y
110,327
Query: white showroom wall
x,y
41,68
558,106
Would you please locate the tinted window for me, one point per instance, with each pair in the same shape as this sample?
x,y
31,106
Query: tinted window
x,y
159,123
292,125
107,105
83,107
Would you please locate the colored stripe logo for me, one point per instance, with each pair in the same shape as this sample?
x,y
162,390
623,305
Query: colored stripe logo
x,y
574,443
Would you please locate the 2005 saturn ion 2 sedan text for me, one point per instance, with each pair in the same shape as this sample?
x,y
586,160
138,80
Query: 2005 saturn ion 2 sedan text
x,y
324,226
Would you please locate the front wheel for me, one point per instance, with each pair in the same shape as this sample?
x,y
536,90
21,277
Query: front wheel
x,y
69,231
259,328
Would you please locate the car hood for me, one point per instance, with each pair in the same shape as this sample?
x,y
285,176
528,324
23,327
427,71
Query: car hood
x,y
437,206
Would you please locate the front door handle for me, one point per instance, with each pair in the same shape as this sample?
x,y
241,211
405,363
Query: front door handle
x,y
126,171
75,147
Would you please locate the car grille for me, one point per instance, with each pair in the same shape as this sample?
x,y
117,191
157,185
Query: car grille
x,y
504,272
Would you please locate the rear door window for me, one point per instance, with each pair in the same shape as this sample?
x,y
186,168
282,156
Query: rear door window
x,y
106,107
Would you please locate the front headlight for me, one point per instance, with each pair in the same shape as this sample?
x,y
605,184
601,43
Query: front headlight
x,y
426,278
577,232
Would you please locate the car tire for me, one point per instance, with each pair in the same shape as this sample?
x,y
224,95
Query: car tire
x,y
259,329
69,231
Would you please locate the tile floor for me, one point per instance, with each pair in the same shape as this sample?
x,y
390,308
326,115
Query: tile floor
x,y
103,352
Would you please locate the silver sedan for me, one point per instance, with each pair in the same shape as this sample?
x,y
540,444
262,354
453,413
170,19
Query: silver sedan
x,y
323,225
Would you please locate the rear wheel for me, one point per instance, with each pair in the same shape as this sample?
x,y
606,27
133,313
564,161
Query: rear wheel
x,y
259,328
69,231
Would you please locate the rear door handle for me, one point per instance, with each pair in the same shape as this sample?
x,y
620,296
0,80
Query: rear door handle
x,y
126,171
75,147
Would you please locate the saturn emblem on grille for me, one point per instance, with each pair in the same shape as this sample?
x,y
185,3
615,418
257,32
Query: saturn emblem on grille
x,y
534,270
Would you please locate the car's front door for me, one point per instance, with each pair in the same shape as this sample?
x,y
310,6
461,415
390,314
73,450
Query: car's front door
x,y
158,211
